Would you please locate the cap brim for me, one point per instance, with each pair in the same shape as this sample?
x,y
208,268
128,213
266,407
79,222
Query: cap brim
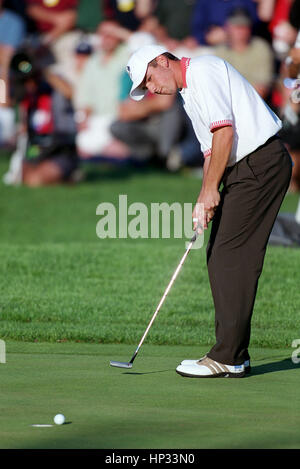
x,y
137,93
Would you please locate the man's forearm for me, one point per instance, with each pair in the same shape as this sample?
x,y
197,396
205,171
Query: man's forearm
x,y
39,13
59,84
132,110
215,167
63,20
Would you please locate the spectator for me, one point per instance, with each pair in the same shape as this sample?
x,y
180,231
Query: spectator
x,y
187,152
55,22
64,24
155,126
251,56
264,10
82,53
176,17
128,13
90,13
12,33
210,16
283,33
71,71
65,56
45,152
150,128
52,18
294,14
290,132
19,7
96,97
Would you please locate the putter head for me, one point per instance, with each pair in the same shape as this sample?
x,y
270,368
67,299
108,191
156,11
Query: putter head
x,y
120,364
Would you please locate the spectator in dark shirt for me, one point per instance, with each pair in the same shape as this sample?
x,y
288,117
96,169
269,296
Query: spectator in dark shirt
x,y
209,17
176,17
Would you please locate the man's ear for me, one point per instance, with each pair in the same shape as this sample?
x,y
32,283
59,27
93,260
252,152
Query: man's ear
x,y
163,61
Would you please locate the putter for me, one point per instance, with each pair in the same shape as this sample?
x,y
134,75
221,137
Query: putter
x,y
129,364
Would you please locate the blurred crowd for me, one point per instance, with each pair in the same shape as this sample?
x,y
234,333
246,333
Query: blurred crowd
x,y
64,94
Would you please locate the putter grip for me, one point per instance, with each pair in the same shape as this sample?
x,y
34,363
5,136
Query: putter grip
x,y
194,237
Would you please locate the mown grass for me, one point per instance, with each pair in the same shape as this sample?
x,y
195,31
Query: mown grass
x,y
149,406
60,282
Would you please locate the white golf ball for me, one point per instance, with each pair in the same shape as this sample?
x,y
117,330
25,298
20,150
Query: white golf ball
x,y
59,419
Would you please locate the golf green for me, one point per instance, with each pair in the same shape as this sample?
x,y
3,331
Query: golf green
x,y
149,406
70,302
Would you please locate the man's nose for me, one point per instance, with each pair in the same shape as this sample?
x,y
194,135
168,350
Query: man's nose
x,y
151,87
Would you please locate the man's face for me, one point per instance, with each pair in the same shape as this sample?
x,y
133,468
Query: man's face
x,y
108,41
160,80
238,33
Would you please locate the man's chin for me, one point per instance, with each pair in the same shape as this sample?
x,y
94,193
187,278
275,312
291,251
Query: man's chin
x,y
165,92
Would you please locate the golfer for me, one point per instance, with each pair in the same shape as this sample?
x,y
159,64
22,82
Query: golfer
x,y
238,136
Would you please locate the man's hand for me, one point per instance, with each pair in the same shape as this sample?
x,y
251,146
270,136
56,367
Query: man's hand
x,y
205,207
63,21
216,35
295,55
213,169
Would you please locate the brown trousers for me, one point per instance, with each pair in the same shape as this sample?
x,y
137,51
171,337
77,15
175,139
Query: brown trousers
x,y
252,194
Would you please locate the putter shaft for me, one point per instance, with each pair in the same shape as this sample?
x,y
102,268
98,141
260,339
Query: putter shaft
x,y
129,364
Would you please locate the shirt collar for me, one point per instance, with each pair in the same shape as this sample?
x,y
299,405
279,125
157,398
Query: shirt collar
x,y
185,62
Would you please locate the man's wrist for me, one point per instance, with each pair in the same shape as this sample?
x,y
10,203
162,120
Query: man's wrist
x,y
210,184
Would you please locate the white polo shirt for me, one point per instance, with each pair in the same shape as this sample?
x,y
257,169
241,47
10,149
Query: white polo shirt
x,y
215,95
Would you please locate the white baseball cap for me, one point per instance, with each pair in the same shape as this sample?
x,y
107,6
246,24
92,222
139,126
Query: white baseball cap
x,y
137,67
140,39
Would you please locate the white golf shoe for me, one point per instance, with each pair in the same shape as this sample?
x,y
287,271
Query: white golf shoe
x,y
193,362
208,368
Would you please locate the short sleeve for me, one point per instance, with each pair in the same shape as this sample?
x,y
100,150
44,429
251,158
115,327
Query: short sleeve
x,y
216,94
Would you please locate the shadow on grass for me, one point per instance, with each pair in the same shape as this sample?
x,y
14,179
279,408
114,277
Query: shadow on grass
x,y
102,169
145,372
282,365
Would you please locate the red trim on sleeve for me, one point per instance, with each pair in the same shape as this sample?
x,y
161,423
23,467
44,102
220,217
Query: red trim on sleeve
x,y
207,153
223,123
185,62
